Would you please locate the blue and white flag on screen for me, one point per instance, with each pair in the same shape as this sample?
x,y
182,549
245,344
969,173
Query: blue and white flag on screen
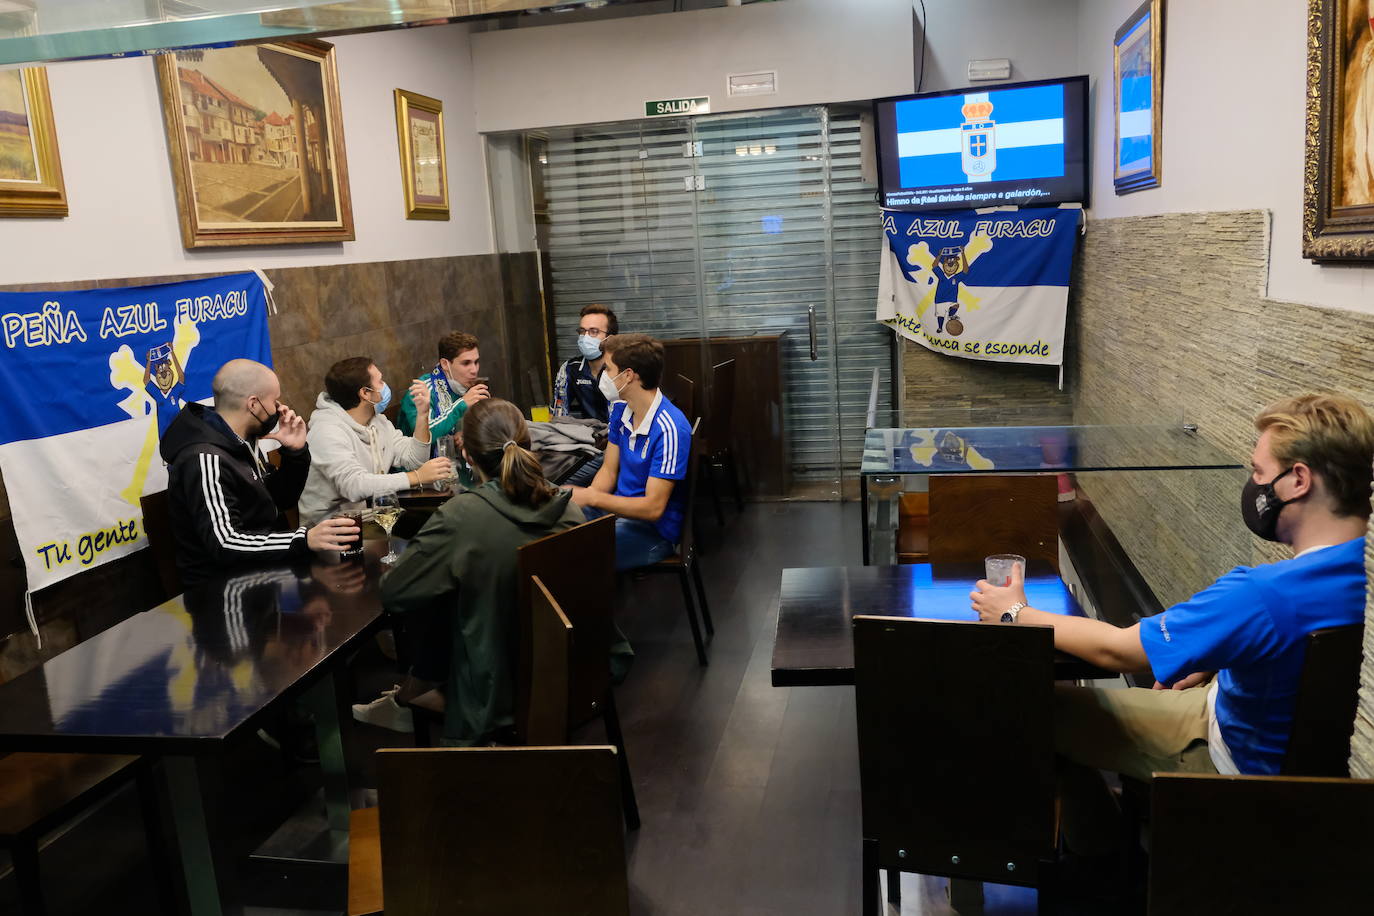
x,y
990,284
1005,135
93,377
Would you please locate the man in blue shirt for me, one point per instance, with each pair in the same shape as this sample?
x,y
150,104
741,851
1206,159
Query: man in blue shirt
x,y
648,443
1227,660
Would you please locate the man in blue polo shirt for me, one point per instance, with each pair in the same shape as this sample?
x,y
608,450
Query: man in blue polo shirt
x,y
648,442
1227,660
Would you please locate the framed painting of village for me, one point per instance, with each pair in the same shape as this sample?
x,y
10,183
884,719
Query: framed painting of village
x,y
424,170
1338,175
30,168
255,136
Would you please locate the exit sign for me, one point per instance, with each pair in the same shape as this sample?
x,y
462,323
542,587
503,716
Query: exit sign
x,y
668,108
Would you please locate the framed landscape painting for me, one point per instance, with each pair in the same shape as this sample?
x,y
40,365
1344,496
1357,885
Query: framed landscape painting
x,y
30,168
1338,174
424,171
1138,64
256,141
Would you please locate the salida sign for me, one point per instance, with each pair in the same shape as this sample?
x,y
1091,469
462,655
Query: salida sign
x,y
667,108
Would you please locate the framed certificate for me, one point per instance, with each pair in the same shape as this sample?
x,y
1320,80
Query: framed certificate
x,y
424,170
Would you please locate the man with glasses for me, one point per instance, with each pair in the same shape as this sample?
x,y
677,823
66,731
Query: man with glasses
x,y
578,390
355,446
227,503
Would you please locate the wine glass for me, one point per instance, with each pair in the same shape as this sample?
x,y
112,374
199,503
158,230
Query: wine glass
x,y
386,509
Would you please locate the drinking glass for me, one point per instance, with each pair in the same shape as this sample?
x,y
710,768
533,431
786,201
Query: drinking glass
x,y
540,413
999,567
447,448
354,512
386,510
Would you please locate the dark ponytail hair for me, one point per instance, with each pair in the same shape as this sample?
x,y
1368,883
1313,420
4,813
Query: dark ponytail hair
x,y
498,442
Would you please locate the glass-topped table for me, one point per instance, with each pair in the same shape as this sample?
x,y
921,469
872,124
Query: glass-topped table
x,y
891,454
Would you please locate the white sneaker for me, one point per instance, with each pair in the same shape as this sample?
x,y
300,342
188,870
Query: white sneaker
x,y
385,712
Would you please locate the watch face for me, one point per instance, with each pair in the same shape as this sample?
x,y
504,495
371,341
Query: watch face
x,y
1006,617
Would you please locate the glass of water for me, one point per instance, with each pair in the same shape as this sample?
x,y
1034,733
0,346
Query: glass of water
x,y
999,567
386,510
447,448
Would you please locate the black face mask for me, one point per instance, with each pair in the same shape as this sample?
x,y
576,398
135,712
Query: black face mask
x,y
267,425
1260,507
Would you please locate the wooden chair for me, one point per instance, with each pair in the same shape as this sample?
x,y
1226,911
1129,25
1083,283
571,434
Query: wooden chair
x,y
1259,844
956,755
973,516
157,524
718,442
683,393
575,570
685,564
40,792
491,831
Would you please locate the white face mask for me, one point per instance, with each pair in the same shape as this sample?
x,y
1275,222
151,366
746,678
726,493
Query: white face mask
x,y
608,386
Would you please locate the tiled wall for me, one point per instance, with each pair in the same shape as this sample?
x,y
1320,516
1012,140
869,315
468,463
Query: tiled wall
x,y
393,311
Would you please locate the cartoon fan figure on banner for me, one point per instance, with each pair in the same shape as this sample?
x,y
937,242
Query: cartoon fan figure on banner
x,y
951,264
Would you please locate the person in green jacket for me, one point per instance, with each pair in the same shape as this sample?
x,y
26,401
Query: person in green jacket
x,y
459,573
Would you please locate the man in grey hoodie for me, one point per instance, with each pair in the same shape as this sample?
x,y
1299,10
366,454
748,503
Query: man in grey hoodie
x,y
353,446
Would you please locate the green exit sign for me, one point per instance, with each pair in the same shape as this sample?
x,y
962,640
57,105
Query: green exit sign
x,y
668,108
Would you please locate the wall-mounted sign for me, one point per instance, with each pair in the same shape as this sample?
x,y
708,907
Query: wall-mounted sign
x,y
677,108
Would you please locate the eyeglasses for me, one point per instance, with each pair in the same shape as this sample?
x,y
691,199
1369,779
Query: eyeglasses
x,y
591,332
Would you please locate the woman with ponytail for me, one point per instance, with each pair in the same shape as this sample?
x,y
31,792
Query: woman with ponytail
x,y
459,574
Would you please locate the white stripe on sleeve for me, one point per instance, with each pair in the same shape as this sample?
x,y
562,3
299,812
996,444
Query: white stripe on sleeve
x,y
220,520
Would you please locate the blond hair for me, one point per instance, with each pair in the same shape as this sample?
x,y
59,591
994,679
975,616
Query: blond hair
x,y
1334,436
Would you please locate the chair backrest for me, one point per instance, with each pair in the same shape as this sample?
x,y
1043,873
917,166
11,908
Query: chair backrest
x,y
577,568
1259,844
683,394
551,636
157,524
688,542
501,830
973,516
1324,712
956,756
720,415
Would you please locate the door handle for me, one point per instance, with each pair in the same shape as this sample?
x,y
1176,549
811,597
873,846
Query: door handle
x,y
811,320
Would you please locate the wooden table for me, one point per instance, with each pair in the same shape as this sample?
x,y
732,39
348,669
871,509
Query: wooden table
x,y
814,646
170,683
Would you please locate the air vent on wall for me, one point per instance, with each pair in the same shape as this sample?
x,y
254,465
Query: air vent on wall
x,y
762,82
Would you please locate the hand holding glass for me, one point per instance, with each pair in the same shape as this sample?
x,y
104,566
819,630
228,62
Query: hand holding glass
x,y
447,448
999,566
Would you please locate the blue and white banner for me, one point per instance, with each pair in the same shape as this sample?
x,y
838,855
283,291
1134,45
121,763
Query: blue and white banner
x,y
990,285
92,376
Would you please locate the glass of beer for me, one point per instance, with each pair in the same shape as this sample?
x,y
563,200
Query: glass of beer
x,y
354,512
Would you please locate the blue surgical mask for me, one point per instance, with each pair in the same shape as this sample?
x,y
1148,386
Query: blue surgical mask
x,y
385,402
589,347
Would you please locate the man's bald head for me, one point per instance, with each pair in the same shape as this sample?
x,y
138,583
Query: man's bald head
x,y
241,379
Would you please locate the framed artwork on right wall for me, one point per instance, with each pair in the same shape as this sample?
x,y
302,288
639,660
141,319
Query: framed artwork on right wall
x,y
1338,172
1138,99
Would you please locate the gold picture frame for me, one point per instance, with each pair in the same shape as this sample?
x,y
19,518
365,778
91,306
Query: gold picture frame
x,y
424,165
255,136
31,183
1338,170
1138,99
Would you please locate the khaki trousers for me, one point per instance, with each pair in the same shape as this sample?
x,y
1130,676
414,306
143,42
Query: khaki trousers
x,y
1134,731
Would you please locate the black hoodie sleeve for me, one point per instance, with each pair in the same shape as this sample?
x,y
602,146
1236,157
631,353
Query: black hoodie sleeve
x,y
286,482
214,514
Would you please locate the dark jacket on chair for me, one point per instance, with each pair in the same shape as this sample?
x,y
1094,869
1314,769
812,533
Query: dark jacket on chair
x,y
227,502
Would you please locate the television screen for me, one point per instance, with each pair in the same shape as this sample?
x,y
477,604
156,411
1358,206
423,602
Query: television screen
x,y
1022,144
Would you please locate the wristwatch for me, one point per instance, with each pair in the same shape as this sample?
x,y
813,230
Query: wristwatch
x,y
1009,615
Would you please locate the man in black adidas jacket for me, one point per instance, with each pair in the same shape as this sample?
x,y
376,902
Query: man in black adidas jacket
x,y
227,501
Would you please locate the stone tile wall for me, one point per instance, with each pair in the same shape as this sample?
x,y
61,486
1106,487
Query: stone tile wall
x,y
393,311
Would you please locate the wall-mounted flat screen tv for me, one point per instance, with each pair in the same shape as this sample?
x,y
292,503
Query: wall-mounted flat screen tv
x,y
1023,144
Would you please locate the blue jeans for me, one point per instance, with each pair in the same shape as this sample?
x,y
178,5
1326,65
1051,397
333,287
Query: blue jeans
x,y
637,543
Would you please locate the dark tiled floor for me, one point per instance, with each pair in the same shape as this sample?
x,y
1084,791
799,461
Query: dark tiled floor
x,y
749,794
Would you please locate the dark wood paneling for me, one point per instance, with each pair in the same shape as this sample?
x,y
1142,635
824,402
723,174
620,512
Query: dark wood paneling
x,y
760,434
975,516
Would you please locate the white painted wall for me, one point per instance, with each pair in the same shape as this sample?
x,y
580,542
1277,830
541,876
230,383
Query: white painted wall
x,y
123,220
586,72
1234,85
1039,37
